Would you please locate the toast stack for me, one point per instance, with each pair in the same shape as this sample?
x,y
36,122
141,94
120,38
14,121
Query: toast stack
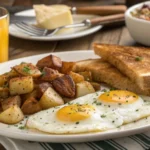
x,y
126,68
133,62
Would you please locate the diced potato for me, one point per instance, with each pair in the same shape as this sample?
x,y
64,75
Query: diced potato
x,y
21,85
50,61
50,99
27,69
67,67
41,88
31,106
96,86
84,88
4,78
4,92
65,86
11,101
1,109
49,74
87,75
76,77
34,94
11,115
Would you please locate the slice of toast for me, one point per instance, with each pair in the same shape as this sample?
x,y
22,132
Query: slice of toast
x,y
134,62
105,72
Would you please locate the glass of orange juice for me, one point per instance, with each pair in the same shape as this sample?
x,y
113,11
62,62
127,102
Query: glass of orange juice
x,y
4,37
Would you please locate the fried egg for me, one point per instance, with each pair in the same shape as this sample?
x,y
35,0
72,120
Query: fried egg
x,y
99,111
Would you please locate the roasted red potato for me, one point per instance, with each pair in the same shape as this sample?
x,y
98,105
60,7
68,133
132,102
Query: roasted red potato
x,y
21,85
87,75
31,106
11,101
34,94
4,92
4,78
41,88
50,61
27,69
76,77
12,115
64,86
67,67
96,86
49,74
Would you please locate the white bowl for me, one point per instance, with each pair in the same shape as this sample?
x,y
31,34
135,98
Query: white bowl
x,y
138,28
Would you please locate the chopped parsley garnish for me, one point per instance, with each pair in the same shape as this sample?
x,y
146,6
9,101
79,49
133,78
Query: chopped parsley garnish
x,y
137,110
77,122
43,73
26,69
103,116
22,127
104,90
23,62
138,58
112,89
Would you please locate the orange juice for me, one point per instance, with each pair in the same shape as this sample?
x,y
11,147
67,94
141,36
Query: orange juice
x,y
3,35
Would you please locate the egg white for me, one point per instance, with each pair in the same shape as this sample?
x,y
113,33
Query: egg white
x,y
105,117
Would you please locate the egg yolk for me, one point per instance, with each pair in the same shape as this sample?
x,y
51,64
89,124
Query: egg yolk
x,y
118,96
74,113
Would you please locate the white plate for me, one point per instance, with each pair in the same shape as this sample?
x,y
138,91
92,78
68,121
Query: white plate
x,y
74,33
14,132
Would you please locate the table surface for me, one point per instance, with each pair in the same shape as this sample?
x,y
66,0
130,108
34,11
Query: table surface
x,y
22,48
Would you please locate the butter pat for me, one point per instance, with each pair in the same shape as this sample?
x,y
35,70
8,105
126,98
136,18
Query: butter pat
x,y
53,16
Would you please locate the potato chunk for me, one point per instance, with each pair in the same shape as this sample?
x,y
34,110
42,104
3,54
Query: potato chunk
x,y
11,101
84,88
34,94
50,61
49,74
87,75
4,92
50,99
76,77
4,78
65,86
27,69
96,86
42,87
21,85
31,106
67,67
11,115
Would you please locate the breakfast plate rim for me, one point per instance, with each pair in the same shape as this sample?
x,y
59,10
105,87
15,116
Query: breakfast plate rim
x,y
13,31
85,137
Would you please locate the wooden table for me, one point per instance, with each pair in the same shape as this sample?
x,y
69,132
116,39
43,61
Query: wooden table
x,y
22,48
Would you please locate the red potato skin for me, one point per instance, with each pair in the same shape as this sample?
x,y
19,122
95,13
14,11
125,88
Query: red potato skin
x,y
67,67
50,61
41,88
31,106
49,74
65,86
14,100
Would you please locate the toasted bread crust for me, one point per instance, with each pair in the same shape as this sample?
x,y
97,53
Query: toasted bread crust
x,y
105,72
126,60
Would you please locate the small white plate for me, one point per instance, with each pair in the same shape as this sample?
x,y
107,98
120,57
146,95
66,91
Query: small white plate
x,y
72,34
13,131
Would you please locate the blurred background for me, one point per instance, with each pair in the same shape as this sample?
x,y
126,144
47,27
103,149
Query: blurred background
x,y
69,2
19,5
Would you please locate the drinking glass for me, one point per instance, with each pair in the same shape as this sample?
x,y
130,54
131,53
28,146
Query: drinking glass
x,y
4,37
